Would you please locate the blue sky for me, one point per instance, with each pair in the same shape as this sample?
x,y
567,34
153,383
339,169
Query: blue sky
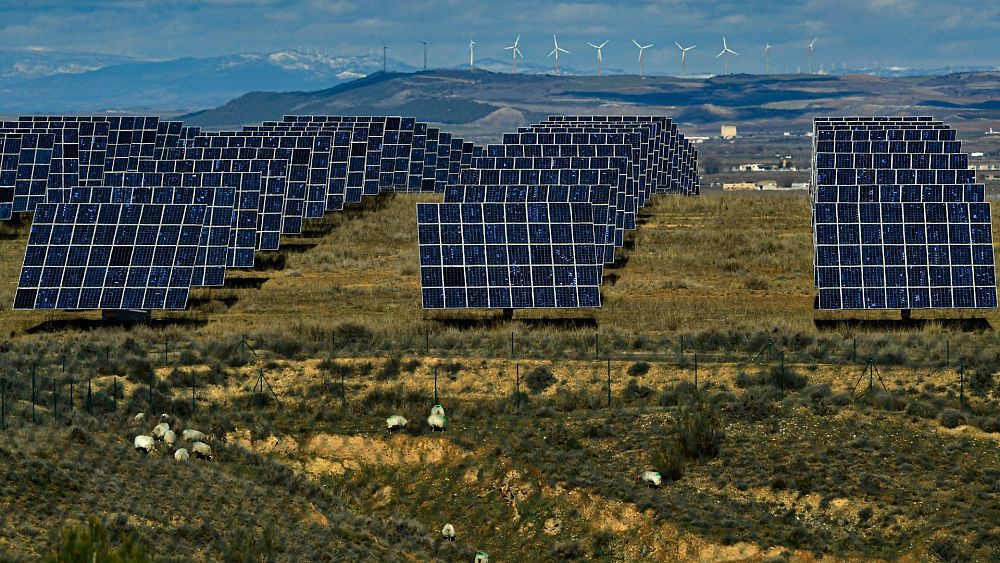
x,y
856,32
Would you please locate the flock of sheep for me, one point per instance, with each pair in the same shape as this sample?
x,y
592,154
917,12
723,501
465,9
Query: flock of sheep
x,y
437,420
145,443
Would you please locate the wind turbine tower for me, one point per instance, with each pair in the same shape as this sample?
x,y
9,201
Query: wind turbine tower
x,y
641,49
384,49
472,54
726,51
515,52
813,43
684,52
425,53
555,51
598,47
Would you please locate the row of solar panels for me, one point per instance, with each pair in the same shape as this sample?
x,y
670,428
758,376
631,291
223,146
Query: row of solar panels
x,y
533,221
899,221
131,212
117,201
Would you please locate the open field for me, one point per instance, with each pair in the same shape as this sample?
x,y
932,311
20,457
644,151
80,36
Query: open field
x,y
775,459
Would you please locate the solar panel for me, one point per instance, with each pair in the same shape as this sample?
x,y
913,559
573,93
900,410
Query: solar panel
x,y
110,256
899,222
507,255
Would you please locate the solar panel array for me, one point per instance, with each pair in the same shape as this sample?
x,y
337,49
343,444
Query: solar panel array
x,y
247,188
531,222
899,221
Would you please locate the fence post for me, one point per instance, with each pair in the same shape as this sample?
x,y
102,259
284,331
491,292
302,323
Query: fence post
x,y
597,345
609,382
166,350
512,344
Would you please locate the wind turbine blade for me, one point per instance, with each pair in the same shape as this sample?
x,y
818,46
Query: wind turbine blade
x,y
592,45
720,54
517,53
603,44
552,52
648,46
735,53
516,40
636,43
678,45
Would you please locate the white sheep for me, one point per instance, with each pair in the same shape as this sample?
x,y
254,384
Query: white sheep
x,y
651,478
169,437
181,455
482,557
448,532
395,422
192,435
160,429
144,444
141,417
165,417
437,409
201,450
436,422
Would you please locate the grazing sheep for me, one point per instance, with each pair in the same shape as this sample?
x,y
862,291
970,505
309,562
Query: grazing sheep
x,y
482,557
160,429
395,422
651,478
436,422
165,417
437,409
192,435
169,437
144,444
448,532
141,417
181,455
201,450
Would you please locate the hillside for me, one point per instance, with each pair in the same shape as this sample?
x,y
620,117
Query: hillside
x,y
766,452
473,100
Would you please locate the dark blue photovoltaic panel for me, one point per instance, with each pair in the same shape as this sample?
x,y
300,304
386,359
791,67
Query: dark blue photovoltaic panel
x,y
110,256
508,255
899,222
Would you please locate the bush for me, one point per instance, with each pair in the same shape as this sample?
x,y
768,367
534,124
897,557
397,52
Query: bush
x,y
638,369
773,375
539,379
699,430
950,418
981,380
93,541
390,370
668,459
635,391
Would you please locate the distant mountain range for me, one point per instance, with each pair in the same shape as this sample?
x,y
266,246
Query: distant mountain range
x,y
43,81
478,102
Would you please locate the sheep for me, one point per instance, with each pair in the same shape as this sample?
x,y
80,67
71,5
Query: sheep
x,y
144,444
169,437
395,422
181,455
437,409
201,450
160,429
651,478
482,557
436,422
192,435
165,417
448,532
141,417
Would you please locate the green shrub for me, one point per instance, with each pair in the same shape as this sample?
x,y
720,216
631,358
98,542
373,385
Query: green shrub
x,y
539,379
93,542
699,430
638,369
950,418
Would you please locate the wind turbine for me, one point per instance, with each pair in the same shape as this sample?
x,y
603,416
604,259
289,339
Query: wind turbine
x,y
515,52
684,52
813,43
472,54
726,51
641,49
555,51
425,53
384,49
598,47
767,58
